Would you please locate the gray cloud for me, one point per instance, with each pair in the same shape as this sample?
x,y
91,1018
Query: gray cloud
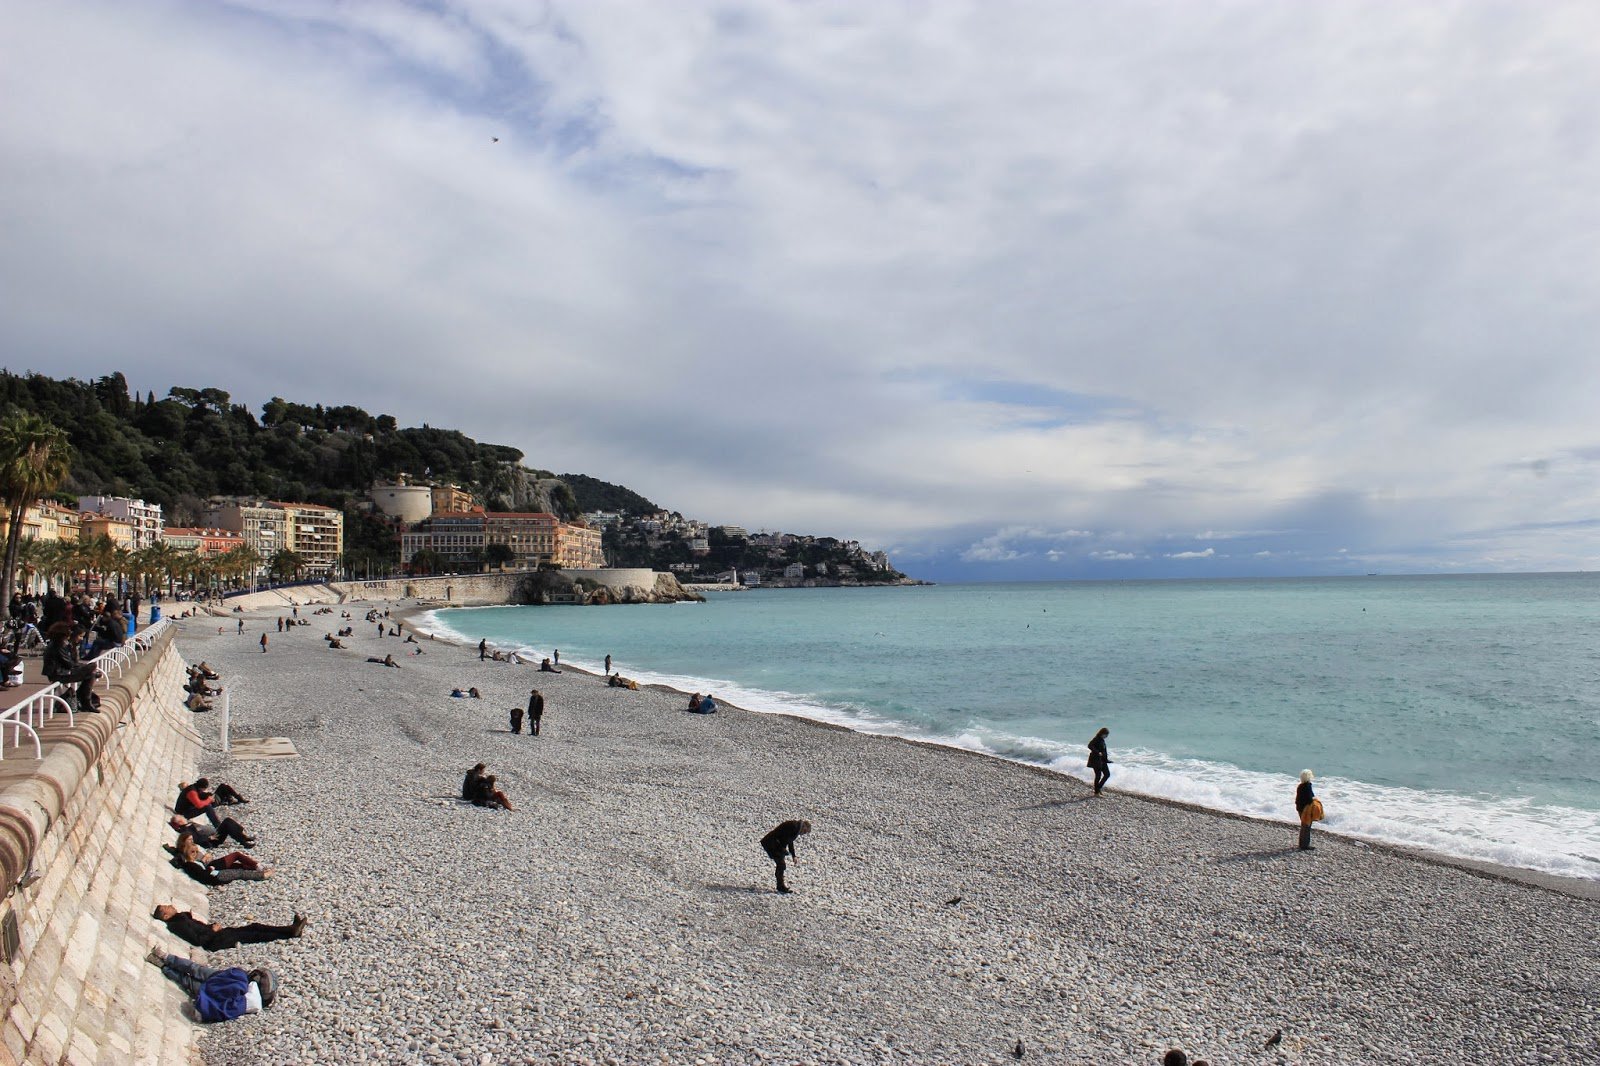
x,y
945,279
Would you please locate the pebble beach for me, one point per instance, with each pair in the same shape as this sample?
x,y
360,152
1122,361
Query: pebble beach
x,y
946,906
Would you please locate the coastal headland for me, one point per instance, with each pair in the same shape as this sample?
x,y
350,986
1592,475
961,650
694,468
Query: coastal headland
x,y
946,905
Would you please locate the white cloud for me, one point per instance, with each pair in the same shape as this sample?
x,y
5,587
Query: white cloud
x,y
840,268
1206,554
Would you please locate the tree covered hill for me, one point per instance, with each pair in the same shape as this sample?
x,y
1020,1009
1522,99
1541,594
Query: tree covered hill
x,y
197,443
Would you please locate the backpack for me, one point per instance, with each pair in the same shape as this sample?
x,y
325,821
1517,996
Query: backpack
x,y
222,996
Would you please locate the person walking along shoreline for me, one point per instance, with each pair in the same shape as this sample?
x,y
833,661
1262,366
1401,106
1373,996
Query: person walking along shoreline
x,y
1100,759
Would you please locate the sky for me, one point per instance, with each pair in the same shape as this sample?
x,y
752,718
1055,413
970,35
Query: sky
x,y
1014,291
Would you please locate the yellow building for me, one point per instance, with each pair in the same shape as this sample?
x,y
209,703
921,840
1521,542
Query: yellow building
x,y
531,536
449,499
93,526
578,547
316,534
44,521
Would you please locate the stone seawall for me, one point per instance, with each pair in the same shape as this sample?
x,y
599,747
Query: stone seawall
x,y
512,586
80,853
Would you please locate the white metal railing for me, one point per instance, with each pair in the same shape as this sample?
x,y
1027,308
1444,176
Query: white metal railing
x,y
146,636
118,657
31,712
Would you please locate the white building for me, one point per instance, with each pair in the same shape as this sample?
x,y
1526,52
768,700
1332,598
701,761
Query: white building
x,y
145,518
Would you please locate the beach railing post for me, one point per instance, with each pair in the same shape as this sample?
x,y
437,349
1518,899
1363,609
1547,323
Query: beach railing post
x,y
227,744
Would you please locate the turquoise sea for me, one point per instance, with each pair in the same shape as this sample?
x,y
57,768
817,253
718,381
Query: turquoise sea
x,y
1456,713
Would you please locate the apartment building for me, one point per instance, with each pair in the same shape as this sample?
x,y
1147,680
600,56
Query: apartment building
x,y
578,547
534,538
92,526
44,520
451,499
144,519
260,525
201,541
316,534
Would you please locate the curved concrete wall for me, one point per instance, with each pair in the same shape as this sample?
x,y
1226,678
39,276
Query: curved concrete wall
x,y
80,851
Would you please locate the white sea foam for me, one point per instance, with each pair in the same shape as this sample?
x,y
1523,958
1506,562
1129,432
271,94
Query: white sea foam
x,y
1505,831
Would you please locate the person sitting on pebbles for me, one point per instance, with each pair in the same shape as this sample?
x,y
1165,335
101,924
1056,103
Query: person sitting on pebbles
x,y
198,799
545,667
618,681
197,702
479,788
485,794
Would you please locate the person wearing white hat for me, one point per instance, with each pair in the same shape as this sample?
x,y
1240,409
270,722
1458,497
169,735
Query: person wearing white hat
x,y
1308,806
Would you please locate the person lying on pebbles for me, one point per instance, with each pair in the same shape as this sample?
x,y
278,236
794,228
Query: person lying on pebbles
x,y
219,995
207,837
217,871
213,936
618,681
387,660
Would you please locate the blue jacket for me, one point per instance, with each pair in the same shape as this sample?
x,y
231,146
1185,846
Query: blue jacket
x,y
222,996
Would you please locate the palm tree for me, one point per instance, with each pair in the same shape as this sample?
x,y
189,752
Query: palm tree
x,y
98,556
35,458
55,561
31,557
285,564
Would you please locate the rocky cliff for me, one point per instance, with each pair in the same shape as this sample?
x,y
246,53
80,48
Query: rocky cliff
x,y
571,586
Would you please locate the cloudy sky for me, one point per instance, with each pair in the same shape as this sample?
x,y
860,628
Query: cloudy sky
x,y
1011,290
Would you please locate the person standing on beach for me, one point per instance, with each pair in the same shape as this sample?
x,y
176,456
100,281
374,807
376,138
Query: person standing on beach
x,y
1309,808
241,627
483,649
558,656
535,712
516,720
263,644
1100,759
780,842
608,664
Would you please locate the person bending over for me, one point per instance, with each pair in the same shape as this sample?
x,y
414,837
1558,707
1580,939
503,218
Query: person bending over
x,y
213,936
780,842
220,995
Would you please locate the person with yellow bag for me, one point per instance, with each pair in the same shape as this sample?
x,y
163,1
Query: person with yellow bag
x,y
1310,808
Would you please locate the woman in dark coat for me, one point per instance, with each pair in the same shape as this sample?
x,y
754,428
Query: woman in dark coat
x,y
1100,760
1303,797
